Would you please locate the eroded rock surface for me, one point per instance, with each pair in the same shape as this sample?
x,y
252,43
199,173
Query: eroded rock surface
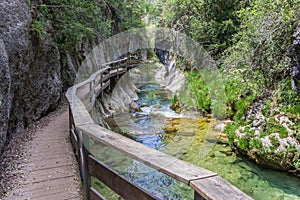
x,y
295,55
169,77
269,140
30,72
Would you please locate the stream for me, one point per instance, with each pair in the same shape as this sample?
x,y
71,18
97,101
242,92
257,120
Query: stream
x,y
159,127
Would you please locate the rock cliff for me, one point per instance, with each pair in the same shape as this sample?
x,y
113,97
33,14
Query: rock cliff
x,y
30,70
295,55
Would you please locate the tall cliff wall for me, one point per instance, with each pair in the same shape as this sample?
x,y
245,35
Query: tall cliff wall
x,y
30,70
295,55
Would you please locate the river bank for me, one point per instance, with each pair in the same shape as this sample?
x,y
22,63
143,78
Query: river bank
x,y
159,127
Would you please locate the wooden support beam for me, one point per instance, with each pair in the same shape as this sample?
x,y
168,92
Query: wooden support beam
x,y
178,169
206,184
197,196
94,195
218,189
116,182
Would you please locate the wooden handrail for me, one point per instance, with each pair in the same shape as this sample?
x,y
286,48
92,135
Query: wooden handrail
x,y
112,179
81,98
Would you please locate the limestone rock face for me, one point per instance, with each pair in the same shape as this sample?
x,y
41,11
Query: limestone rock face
x,y
169,77
5,93
30,72
295,55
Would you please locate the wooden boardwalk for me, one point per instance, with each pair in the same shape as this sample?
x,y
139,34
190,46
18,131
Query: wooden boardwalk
x,y
81,98
50,169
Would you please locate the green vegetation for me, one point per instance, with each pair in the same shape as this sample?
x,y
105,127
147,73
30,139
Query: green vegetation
x,y
250,41
239,93
210,22
196,88
253,55
104,190
151,96
287,99
175,104
40,23
72,22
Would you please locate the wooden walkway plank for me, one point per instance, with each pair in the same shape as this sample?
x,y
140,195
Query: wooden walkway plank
x,y
48,174
47,155
50,168
44,165
57,195
47,185
50,156
49,191
225,190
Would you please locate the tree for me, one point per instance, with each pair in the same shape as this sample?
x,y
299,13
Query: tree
x,y
212,23
262,45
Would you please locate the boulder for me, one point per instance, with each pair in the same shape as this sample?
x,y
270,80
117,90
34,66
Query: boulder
x,y
134,107
169,77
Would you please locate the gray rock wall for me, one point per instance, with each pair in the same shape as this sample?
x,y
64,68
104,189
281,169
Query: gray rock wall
x,y
295,55
5,93
30,72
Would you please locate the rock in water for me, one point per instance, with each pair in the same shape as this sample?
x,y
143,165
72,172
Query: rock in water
x,y
169,77
123,94
146,110
134,107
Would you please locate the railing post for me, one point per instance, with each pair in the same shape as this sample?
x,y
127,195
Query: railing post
x,y
73,133
84,154
197,196
70,119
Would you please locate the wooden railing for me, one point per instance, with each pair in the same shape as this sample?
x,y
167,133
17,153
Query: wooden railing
x,y
81,97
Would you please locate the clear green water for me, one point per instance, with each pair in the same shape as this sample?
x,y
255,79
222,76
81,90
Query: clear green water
x,y
186,142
